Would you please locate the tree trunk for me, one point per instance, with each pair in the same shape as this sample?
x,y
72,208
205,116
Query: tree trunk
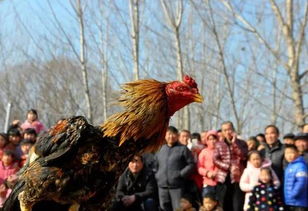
x,y
297,95
134,13
174,22
83,62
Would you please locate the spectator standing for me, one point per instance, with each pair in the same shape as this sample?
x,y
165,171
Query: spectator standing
x,y
250,177
301,143
194,183
235,150
265,196
261,139
288,138
274,150
206,166
296,180
184,137
32,121
252,143
174,164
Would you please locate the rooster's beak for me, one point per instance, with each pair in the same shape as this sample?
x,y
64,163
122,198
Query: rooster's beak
x,y
198,98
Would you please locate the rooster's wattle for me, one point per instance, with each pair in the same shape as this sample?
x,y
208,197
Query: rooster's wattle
x,y
78,164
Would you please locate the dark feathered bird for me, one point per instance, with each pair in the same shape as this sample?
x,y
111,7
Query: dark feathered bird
x,y
78,164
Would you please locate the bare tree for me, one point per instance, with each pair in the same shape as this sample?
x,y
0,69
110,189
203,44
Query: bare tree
x,y
293,40
82,59
135,20
174,20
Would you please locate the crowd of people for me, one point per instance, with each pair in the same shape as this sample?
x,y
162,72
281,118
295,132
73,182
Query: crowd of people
x,y
214,170
15,145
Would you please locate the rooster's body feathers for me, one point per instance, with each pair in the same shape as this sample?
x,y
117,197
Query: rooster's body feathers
x,y
79,164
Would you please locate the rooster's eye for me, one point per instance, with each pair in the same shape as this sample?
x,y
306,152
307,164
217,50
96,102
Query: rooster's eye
x,y
181,88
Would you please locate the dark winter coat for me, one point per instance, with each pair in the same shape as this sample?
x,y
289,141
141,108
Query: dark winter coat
x,y
296,183
174,165
143,186
265,197
276,155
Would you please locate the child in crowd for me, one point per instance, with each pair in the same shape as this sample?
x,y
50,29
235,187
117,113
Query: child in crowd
x,y
250,176
206,166
25,146
30,134
265,196
210,203
3,142
295,180
33,122
186,204
252,143
8,167
14,141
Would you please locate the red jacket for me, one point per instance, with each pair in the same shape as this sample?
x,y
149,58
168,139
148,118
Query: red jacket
x,y
230,158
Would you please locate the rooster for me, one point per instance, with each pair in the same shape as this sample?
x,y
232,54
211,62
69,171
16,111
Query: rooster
x,y
78,164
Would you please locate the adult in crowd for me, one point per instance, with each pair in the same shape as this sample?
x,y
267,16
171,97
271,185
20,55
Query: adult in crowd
x,y
261,139
184,137
136,188
174,164
274,150
288,138
301,143
229,173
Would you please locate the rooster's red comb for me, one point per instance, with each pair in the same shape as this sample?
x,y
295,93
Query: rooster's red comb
x,y
189,81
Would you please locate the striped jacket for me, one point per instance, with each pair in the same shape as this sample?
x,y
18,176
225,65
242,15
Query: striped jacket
x,y
230,158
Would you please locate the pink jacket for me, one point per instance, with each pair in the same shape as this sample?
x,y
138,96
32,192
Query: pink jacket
x,y
6,171
206,164
36,125
250,178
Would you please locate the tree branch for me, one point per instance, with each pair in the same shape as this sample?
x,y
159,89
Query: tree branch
x,y
254,31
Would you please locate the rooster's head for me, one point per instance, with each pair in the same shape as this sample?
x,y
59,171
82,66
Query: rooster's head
x,y
182,93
